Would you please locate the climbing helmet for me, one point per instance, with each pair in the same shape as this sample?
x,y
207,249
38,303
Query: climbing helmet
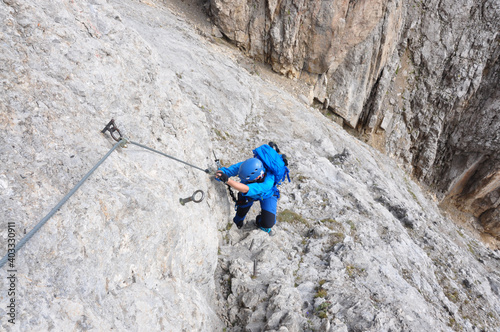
x,y
250,170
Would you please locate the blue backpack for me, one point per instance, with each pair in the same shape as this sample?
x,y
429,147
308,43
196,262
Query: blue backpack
x,y
274,162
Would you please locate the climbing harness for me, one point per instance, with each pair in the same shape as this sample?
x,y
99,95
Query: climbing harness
x,y
120,142
193,198
219,166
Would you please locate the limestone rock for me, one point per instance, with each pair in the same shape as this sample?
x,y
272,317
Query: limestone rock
x,y
124,254
421,78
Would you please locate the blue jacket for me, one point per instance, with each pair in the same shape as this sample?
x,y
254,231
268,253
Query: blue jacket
x,y
256,191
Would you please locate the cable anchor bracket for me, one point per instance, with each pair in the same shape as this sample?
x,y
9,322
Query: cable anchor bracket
x,y
113,129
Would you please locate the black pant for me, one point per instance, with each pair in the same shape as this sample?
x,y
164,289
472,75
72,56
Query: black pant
x,y
266,219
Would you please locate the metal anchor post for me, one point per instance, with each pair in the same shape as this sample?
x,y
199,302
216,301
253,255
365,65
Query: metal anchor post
x,y
113,129
193,197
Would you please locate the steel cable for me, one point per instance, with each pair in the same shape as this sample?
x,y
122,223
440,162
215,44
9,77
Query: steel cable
x,y
166,155
122,141
42,222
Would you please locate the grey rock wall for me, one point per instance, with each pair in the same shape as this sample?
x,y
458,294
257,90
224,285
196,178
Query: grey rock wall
x,y
417,79
358,245
122,253
451,110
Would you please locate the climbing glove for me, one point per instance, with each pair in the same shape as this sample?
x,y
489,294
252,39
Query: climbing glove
x,y
219,175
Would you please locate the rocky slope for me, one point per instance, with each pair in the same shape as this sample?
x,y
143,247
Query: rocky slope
x,y
419,80
358,245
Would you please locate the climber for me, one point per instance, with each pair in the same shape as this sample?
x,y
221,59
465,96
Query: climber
x,y
259,178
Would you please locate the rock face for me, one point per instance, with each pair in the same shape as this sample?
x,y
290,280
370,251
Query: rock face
x,y
420,78
122,253
358,245
315,36
452,104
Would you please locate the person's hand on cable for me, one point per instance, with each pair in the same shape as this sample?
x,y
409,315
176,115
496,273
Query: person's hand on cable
x,y
221,176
